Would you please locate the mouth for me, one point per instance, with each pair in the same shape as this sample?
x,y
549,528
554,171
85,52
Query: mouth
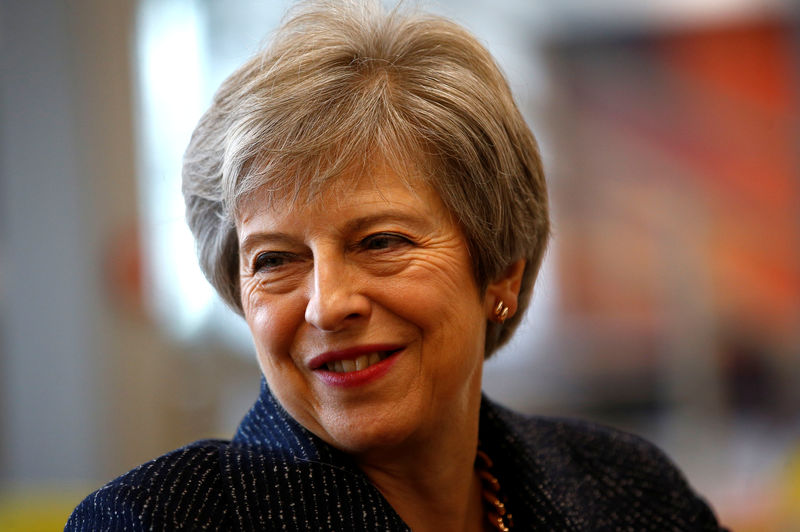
x,y
359,363
356,366
353,359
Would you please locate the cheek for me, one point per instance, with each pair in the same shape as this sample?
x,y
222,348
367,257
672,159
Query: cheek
x,y
272,321
445,308
445,290
266,328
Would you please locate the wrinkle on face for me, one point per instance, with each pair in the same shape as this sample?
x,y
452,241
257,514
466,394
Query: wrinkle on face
x,y
421,294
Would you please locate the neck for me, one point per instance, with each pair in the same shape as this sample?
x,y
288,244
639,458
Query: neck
x,y
431,481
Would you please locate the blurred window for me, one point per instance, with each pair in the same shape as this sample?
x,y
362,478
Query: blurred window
x,y
185,48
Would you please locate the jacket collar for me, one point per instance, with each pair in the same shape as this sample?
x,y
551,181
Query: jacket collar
x,y
505,435
269,425
513,443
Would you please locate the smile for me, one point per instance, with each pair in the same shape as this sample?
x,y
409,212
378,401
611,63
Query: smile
x,y
359,363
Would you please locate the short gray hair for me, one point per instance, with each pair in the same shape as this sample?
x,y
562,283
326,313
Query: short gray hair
x,y
344,82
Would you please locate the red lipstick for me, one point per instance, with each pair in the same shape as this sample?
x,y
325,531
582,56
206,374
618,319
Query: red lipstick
x,y
347,379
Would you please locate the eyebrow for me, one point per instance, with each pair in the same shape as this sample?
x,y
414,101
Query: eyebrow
x,y
386,216
254,239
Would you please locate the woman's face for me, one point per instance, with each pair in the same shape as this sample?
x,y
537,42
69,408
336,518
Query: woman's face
x,y
367,321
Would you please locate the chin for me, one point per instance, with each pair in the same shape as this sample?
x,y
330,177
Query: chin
x,y
360,436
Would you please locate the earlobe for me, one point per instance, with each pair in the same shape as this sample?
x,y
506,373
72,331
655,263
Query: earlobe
x,y
502,294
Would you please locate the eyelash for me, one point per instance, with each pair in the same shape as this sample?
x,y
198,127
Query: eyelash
x,y
388,239
260,262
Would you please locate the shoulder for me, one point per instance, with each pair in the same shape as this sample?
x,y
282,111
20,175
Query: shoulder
x,y
552,438
222,485
582,447
181,489
601,477
595,447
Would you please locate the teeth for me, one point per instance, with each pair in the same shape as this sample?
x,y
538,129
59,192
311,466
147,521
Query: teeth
x,y
362,362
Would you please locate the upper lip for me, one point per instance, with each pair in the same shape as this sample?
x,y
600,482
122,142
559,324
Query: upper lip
x,y
349,353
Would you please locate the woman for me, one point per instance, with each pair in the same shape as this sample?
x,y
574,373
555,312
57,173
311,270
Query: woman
x,y
367,196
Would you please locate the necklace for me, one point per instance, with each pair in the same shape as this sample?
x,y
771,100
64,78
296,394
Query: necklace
x,y
496,512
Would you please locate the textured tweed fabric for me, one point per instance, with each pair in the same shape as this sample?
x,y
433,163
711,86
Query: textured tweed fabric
x,y
275,475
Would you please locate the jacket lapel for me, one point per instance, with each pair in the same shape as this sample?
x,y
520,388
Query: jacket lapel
x,y
283,477
504,438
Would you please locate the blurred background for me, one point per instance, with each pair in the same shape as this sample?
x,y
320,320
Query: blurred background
x,y
669,303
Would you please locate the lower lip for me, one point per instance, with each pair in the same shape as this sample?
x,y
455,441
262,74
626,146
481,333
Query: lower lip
x,y
361,377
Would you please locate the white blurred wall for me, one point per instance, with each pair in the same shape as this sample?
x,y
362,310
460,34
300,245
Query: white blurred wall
x,y
80,374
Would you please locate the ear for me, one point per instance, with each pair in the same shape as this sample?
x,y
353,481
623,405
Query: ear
x,y
506,289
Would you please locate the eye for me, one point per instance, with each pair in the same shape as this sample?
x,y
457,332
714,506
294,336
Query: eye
x,y
381,241
269,260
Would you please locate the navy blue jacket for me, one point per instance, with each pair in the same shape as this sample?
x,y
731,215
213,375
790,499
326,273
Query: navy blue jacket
x,y
276,475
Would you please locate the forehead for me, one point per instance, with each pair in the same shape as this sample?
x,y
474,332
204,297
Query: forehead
x,y
379,184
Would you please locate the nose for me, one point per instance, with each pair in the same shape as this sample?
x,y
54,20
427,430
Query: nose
x,y
336,300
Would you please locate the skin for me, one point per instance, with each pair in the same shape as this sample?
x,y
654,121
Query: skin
x,y
371,261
